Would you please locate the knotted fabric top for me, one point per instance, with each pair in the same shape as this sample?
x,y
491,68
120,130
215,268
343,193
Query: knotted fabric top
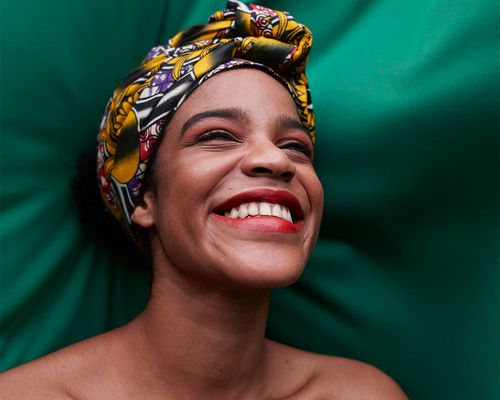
x,y
242,35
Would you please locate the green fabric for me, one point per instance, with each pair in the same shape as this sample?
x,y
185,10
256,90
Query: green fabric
x,y
405,275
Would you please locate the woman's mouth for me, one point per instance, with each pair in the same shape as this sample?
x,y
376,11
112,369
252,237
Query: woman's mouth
x,y
263,210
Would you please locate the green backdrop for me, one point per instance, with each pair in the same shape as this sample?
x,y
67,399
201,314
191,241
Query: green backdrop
x,y
405,275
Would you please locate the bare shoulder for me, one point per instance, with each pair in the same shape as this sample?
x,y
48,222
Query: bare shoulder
x,y
39,379
355,380
56,376
330,377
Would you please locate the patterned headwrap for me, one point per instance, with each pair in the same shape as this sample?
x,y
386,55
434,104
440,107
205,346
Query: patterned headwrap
x,y
242,35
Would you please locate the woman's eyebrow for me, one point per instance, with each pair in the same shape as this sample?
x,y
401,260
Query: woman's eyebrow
x,y
287,122
235,114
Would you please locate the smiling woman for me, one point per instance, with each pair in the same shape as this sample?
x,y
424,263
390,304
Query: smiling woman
x,y
247,164
215,176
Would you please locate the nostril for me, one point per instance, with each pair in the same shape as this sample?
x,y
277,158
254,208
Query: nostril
x,y
262,170
287,175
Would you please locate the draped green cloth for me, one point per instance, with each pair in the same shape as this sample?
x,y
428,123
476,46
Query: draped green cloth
x,y
405,275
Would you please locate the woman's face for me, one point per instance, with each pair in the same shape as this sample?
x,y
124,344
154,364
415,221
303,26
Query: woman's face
x,y
235,153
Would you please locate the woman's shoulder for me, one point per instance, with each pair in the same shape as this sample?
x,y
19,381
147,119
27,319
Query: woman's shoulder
x,y
57,375
355,380
331,377
46,377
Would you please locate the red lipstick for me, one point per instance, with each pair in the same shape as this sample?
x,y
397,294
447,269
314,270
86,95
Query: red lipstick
x,y
264,195
263,223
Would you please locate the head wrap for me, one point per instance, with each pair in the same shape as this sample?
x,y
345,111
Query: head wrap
x,y
242,35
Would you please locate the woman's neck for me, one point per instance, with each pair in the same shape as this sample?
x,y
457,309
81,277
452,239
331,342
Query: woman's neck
x,y
192,337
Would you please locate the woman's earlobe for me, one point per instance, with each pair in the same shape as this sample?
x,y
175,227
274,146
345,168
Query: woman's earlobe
x,y
143,214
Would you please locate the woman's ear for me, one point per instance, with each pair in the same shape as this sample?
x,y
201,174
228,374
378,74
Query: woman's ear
x,y
143,214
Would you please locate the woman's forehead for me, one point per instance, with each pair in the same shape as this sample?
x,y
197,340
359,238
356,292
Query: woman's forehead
x,y
251,93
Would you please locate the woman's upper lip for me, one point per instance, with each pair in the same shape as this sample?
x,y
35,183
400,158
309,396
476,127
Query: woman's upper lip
x,y
275,196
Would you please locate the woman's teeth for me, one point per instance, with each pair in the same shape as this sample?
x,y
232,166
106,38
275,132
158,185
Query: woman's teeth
x,y
255,209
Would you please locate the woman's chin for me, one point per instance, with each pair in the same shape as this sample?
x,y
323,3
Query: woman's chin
x,y
264,273
238,262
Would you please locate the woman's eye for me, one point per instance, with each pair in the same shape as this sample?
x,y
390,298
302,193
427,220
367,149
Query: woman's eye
x,y
216,135
298,146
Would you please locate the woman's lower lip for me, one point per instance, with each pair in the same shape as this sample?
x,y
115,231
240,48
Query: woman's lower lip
x,y
262,224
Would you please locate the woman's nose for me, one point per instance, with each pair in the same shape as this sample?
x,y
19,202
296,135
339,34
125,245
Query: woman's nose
x,y
264,158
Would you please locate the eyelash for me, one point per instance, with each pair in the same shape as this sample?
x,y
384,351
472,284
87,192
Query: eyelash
x,y
298,146
215,135
223,135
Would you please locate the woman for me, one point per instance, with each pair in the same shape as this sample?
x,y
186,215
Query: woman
x,y
205,156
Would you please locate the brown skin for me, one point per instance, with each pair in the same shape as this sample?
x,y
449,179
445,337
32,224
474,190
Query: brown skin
x,y
202,333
